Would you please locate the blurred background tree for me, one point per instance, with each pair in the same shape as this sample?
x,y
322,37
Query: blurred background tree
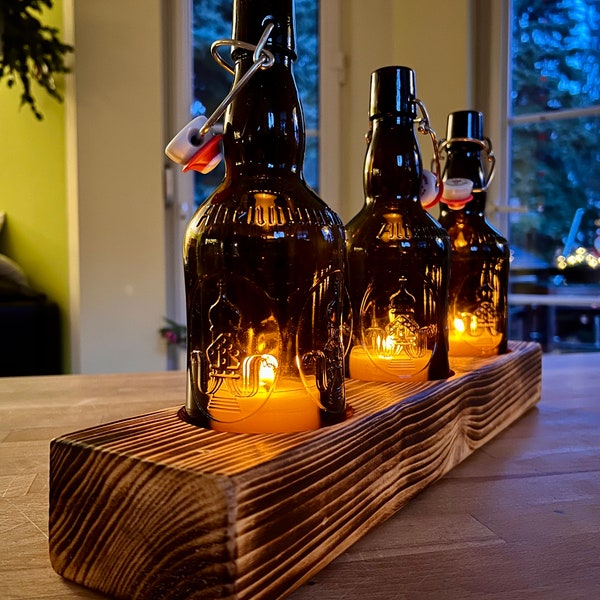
x,y
554,124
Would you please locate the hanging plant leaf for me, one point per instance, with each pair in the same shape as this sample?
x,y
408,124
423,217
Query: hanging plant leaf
x,y
29,50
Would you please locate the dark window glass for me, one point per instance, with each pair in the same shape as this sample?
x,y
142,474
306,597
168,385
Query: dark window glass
x,y
555,55
555,179
554,130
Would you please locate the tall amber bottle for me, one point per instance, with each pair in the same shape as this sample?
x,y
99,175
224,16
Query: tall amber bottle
x,y
477,317
264,259
398,255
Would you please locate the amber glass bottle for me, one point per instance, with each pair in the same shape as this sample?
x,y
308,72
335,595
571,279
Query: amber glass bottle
x,y
398,255
477,317
264,259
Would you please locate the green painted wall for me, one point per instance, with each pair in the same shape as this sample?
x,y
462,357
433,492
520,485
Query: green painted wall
x,y
33,190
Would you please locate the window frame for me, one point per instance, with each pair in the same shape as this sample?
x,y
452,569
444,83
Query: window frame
x,y
490,27
331,78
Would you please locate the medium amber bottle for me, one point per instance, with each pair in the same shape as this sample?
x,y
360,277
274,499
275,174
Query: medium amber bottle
x,y
477,316
398,255
264,259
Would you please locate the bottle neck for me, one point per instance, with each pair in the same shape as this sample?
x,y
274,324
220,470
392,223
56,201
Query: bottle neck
x,y
464,161
264,125
393,164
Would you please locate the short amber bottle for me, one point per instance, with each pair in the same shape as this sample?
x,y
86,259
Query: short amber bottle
x,y
398,254
477,313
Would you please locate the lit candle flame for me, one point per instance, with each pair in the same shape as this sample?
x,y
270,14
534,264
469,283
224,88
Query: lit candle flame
x,y
459,325
473,325
385,345
267,371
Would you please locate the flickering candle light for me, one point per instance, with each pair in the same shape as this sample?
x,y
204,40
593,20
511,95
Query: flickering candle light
x,y
262,402
386,367
396,352
467,338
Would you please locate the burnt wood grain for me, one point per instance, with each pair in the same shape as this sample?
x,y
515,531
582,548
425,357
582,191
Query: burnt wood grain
x,y
153,507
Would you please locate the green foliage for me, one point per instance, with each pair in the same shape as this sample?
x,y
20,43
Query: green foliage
x,y
212,21
29,50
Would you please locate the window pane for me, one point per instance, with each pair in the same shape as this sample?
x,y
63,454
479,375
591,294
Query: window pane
x,y
306,68
555,170
211,21
311,162
555,55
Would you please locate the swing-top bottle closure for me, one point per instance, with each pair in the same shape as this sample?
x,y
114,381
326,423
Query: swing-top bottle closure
x,y
458,192
432,185
197,146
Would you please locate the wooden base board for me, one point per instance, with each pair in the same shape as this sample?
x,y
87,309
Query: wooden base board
x,y
155,508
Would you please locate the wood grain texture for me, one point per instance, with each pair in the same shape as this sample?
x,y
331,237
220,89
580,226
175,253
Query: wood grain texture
x,y
152,507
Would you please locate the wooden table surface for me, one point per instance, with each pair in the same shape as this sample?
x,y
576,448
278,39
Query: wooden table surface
x,y
519,519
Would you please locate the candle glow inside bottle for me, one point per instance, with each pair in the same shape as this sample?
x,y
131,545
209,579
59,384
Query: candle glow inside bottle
x,y
264,259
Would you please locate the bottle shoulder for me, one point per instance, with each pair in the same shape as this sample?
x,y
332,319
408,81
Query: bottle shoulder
x,y
266,202
470,233
282,187
381,210
391,225
473,220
